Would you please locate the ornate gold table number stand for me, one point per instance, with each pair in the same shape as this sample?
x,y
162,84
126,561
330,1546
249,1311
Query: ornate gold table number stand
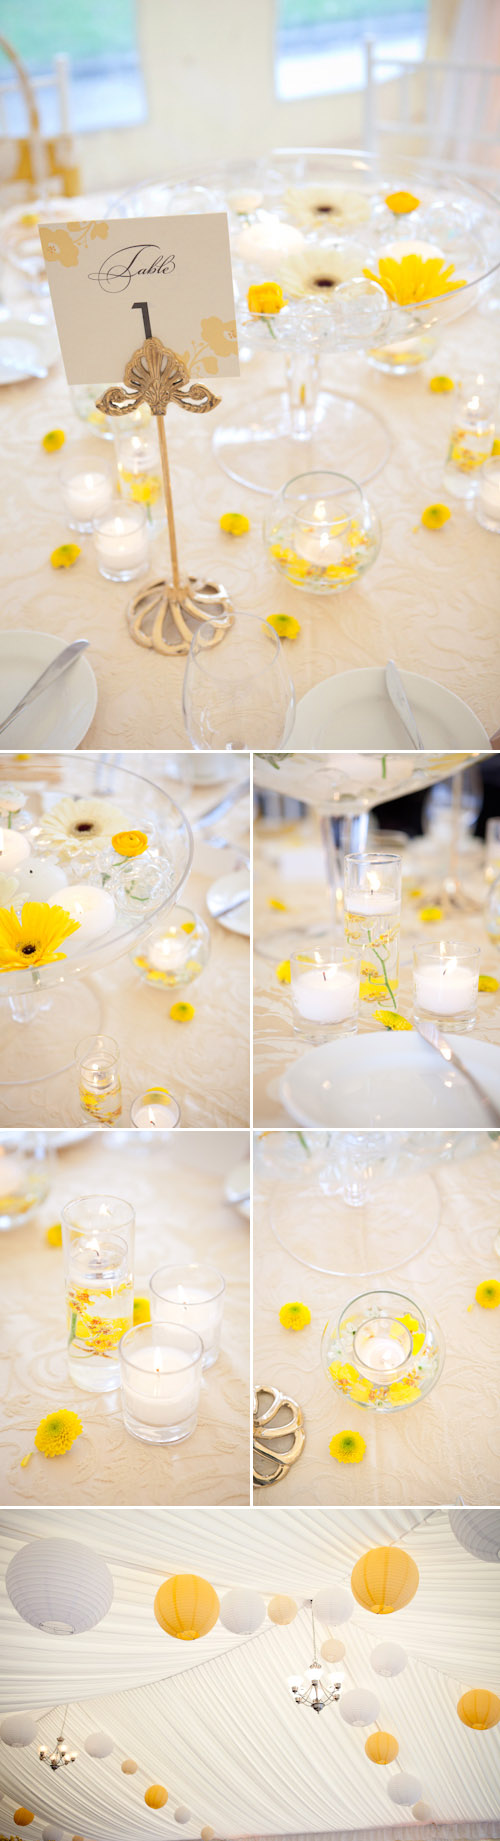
x,y
157,376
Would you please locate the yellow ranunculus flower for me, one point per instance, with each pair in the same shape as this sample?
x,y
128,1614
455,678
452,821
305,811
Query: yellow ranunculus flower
x,y
265,297
347,1447
53,440
142,1310
65,556
401,203
235,523
435,516
273,901
53,1235
295,1316
284,625
57,1433
430,914
129,843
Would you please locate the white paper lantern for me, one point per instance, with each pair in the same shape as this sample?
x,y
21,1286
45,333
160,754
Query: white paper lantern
x,y
404,1789
18,1729
478,1530
333,1605
59,1586
388,1659
242,1611
360,1708
52,1834
422,1812
182,1814
98,1745
332,1650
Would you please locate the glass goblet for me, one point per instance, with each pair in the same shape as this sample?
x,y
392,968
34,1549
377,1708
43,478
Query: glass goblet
x,y
238,694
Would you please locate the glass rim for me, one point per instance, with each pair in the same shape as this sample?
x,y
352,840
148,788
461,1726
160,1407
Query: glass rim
x,y
336,955
143,1334
453,950
345,481
373,856
155,1096
194,1266
133,514
399,1297
96,1196
198,657
110,1048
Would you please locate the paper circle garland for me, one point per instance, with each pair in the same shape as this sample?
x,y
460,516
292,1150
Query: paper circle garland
x,y
52,1834
186,1606
333,1605
207,1833
479,1709
388,1659
332,1650
130,1767
381,1747
404,1789
18,1729
98,1745
23,1817
359,1707
242,1611
156,1796
182,1814
422,1812
478,1530
59,1586
282,1610
385,1580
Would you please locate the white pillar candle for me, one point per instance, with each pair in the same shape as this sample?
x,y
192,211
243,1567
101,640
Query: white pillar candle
x,y
168,954
164,1390
445,989
94,909
325,994
121,542
164,1116
488,488
38,880
86,495
14,849
188,1303
377,1348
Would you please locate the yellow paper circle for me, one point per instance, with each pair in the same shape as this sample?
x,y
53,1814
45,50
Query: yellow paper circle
x,y
479,1709
381,1747
282,1610
384,1580
186,1606
156,1796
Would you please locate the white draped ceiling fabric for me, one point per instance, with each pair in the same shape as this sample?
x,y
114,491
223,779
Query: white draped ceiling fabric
x,y
214,1720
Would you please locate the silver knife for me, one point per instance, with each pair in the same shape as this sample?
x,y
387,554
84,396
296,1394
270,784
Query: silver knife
x,y
53,671
432,1035
235,901
399,700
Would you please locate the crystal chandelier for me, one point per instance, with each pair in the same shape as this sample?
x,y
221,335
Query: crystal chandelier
x,y
320,1686
60,1754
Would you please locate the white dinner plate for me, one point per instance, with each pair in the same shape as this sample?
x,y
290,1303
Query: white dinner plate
x,y
61,715
388,1080
28,347
353,710
239,920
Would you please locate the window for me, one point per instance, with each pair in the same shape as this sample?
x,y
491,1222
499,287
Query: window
x,y
320,42
100,38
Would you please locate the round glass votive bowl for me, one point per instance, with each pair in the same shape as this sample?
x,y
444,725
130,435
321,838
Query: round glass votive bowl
x,y
24,1177
98,1244
445,985
99,1083
403,355
155,1109
121,541
192,1295
178,953
160,1379
321,533
88,484
383,1352
324,988
487,500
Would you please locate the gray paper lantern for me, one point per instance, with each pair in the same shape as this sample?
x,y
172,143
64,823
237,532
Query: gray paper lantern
x,y
59,1586
360,1708
18,1729
182,1814
98,1745
478,1530
404,1789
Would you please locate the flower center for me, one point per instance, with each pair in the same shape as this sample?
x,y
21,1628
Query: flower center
x,y
324,281
85,825
28,949
326,210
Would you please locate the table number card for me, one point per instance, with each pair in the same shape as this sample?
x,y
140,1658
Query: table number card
x,y
114,283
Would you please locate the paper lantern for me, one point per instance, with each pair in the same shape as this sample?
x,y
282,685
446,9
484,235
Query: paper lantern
x,y
333,1605
384,1580
129,1767
478,1530
23,1817
404,1789
381,1747
182,1814
282,1610
186,1607
359,1707
332,1650
18,1729
156,1796
207,1833
242,1611
52,1834
98,1745
422,1812
388,1659
59,1586
479,1709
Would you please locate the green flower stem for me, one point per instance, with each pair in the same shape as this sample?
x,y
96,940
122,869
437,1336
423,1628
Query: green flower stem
x,y
72,1327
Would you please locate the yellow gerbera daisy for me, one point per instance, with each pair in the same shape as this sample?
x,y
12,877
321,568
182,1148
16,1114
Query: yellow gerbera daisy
x,y
129,843
486,983
401,203
182,1013
435,516
441,386
488,1294
34,939
347,1447
57,1433
53,440
235,523
284,625
142,1310
391,1019
413,280
65,555
53,1235
283,972
295,1316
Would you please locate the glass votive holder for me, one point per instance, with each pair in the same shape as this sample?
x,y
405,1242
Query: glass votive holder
x,y
403,355
177,953
445,984
139,471
372,917
324,988
25,1168
160,1378
98,1063
88,483
321,533
98,1242
155,1108
472,435
192,1295
84,398
487,501
382,1351
492,869
121,541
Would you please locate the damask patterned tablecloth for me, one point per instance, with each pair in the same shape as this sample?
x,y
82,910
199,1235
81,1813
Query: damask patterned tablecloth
x,y
430,602
176,1188
204,1062
448,1446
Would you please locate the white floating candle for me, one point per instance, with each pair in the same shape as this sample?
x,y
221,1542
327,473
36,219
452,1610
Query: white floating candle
x,y
381,1347
38,880
14,849
325,994
94,909
445,989
86,495
164,1390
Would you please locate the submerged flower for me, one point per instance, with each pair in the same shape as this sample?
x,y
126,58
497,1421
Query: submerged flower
x,y
53,440
71,822
400,1392
486,983
435,516
338,206
65,556
284,625
182,1013
441,386
295,1316
265,297
235,523
401,203
347,1447
129,843
413,279
57,1433
34,939
283,972
391,1019
317,269
488,1294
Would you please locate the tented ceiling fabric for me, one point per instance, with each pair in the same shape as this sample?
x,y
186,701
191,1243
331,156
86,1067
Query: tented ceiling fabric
x,y
214,1720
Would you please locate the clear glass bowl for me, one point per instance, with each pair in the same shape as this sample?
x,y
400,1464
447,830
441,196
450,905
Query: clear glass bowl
x,y
383,1352
177,953
322,533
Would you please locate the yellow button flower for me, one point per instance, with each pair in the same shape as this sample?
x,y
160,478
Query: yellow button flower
x,y
65,556
441,386
56,1434
486,983
265,297
53,1235
435,516
53,440
188,926
488,1294
391,1019
347,1447
235,523
129,843
284,625
142,1310
182,1013
283,972
430,914
401,203
294,1316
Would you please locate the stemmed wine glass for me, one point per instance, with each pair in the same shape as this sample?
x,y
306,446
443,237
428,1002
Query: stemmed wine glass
x,y
238,694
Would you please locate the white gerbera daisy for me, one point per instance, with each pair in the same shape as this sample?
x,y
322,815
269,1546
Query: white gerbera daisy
x,y
81,824
335,206
317,269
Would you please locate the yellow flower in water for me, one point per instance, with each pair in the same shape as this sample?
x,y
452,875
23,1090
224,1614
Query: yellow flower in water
x,y
283,972
188,926
284,625
496,446
441,386
129,843
57,1433
53,440
486,983
97,417
347,1447
182,1013
435,516
360,1391
53,1235
235,523
371,989
402,1391
294,1316
143,491
34,939
265,297
274,902
430,914
344,1373
413,280
65,556
401,203
391,1019
142,1310
488,1294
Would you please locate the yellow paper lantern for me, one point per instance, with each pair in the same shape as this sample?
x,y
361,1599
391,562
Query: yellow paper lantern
x,y
186,1607
129,1766
332,1650
282,1610
23,1817
381,1747
479,1709
384,1580
156,1796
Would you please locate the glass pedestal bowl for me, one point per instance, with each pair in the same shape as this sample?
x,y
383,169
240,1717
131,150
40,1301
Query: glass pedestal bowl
x,y
354,1207
383,1352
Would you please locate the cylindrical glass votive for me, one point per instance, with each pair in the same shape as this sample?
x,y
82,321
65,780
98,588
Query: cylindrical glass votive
x,y
487,502
98,1062
322,533
160,1374
87,488
25,1169
372,915
98,1241
139,470
472,435
155,1108
324,986
192,1295
383,1352
177,953
121,541
445,985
